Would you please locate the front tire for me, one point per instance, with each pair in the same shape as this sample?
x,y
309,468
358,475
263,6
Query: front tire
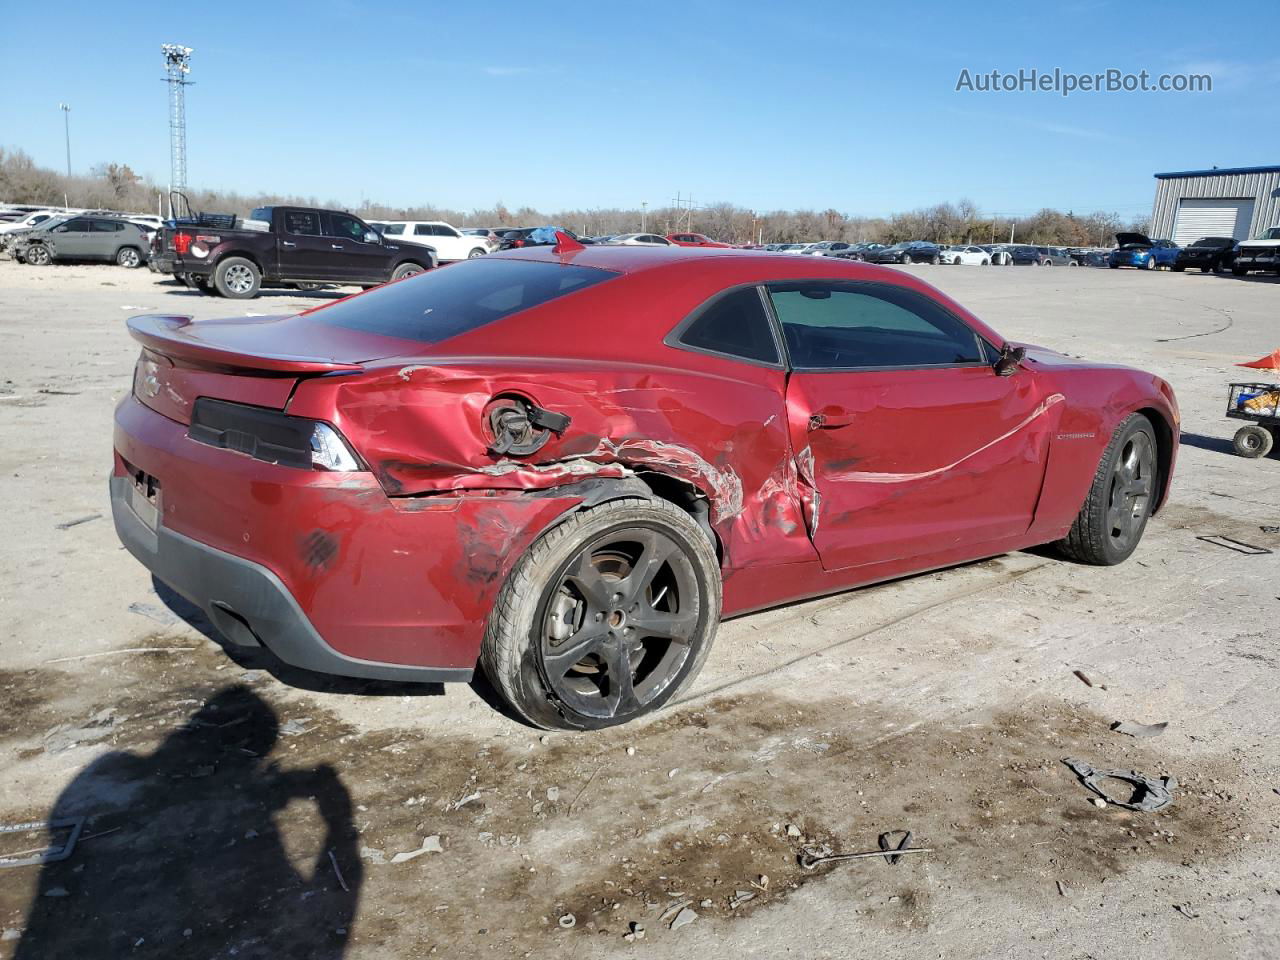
x,y
407,270
37,255
1253,441
237,278
606,617
1114,516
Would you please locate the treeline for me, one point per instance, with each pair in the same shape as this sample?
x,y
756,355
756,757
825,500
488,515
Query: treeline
x,y
116,187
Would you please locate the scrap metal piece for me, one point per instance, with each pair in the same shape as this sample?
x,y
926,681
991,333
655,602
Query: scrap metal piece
x,y
1153,795
1239,546
810,862
50,854
1133,729
886,843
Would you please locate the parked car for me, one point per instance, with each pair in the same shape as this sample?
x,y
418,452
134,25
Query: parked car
x,y
414,482
293,245
1139,250
1209,254
83,238
26,221
537,237
449,243
636,239
694,240
1055,257
914,251
857,251
1001,254
1260,253
966,255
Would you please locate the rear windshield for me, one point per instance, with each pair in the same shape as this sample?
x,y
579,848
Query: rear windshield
x,y
452,300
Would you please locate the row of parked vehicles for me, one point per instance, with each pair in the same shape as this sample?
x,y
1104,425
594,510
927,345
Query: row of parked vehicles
x,y
285,246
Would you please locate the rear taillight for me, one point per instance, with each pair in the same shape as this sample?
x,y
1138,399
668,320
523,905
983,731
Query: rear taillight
x,y
517,243
182,243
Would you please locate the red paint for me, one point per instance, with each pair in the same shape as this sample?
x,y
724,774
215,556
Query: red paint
x,y
910,470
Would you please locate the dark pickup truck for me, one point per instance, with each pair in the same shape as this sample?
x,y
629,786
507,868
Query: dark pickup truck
x,y
297,246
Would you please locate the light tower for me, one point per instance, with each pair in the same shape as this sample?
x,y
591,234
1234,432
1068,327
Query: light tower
x,y
177,64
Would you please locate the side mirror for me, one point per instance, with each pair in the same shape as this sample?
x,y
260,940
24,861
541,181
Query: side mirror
x,y
1009,360
372,236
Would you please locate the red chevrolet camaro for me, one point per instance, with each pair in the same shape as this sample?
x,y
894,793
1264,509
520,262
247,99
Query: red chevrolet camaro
x,y
566,464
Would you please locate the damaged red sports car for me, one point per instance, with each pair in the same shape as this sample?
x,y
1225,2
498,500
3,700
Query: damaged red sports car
x,y
566,464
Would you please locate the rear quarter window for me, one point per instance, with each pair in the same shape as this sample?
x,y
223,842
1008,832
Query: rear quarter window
x,y
449,301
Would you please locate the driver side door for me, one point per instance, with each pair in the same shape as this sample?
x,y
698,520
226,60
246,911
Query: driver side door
x,y
358,253
910,442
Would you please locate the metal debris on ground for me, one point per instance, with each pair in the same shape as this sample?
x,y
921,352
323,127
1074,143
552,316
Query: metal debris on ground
x,y
1186,911
673,909
1151,795
635,931
47,854
1087,681
1239,546
337,871
430,845
886,843
1265,528
1062,888
568,921
740,897
684,918
463,801
68,524
1133,729
811,861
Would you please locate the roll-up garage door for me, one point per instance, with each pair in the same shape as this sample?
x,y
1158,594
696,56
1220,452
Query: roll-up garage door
x,y
1212,217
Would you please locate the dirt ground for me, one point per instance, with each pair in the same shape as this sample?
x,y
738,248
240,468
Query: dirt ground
x,y
242,809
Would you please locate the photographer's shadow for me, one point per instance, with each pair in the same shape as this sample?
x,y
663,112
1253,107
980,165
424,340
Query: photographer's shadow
x,y
191,861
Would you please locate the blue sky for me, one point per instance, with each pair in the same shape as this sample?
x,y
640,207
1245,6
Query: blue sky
x,y
556,105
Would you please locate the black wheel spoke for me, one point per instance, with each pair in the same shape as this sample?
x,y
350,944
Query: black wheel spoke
x,y
659,623
587,579
588,640
622,692
657,550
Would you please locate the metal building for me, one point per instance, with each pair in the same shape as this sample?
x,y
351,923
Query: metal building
x,y
1237,202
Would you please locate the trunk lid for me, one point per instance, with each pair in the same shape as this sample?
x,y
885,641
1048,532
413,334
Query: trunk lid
x,y
252,360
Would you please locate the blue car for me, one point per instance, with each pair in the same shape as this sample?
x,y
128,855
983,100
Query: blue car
x,y
1139,250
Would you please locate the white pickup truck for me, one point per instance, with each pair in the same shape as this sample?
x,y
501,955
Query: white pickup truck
x,y
1260,253
450,243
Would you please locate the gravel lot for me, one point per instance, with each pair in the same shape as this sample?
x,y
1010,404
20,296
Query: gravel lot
x,y
239,809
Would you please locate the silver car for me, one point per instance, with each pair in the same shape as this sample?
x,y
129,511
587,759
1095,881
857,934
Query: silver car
x,y
84,237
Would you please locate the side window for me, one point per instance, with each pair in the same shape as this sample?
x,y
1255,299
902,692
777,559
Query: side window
x,y
393,230
444,231
734,324
302,223
105,226
833,326
74,226
421,230
346,227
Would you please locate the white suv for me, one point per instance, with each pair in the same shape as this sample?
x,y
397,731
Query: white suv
x,y
449,242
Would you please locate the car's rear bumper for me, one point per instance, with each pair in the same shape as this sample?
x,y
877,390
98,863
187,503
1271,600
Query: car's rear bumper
x,y
324,569
248,603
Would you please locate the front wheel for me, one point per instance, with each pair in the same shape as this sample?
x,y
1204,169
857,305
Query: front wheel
x,y
237,278
1115,512
906,258
986,262
37,255
407,270
606,617
1253,441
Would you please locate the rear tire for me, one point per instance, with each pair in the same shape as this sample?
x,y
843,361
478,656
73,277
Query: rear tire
x,y
1111,522
649,553
1253,441
237,278
477,252
129,258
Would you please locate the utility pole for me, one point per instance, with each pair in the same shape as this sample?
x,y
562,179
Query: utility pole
x,y
177,64
1011,228
66,123
644,216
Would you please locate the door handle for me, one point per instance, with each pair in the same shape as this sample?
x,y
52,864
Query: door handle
x,y
287,243
336,246
830,418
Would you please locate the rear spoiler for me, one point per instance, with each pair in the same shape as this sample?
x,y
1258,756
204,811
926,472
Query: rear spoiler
x,y
168,335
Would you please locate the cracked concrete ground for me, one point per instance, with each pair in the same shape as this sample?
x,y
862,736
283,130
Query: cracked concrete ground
x,y
237,809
